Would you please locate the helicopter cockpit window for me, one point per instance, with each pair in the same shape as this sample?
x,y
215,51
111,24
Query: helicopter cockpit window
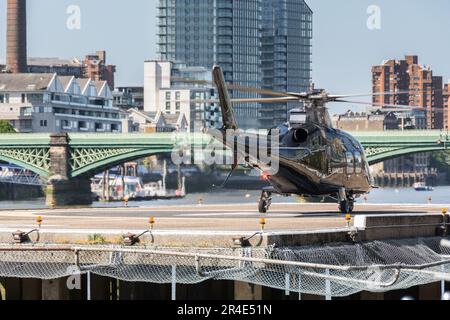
x,y
317,140
358,163
350,163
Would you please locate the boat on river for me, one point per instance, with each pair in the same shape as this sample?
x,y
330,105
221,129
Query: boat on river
x,y
421,186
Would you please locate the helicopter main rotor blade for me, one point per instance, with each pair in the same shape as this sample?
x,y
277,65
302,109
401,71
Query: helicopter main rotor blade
x,y
367,103
193,81
299,95
266,100
248,100
380,94
242,88
267,92
396,107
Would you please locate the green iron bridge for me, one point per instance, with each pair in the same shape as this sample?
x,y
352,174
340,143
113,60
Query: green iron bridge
x,y
88,154
71,158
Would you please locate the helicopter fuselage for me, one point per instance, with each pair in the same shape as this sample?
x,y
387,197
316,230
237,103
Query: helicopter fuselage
x,y
319,161
313,158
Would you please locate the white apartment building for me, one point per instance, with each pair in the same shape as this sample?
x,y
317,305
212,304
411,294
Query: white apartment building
x,y
172,88
52,103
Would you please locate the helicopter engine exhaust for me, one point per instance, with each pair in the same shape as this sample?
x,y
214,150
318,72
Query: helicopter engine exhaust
x,y
300,135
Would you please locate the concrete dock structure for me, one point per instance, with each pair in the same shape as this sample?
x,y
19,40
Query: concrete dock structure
x,y
214,233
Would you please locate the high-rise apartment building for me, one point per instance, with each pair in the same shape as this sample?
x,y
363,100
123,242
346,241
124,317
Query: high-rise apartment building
x,y
231,34
286,53
417,85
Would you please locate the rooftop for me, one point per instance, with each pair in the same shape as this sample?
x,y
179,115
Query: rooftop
x,y
65,81
32,82
25,81
171,119
74,62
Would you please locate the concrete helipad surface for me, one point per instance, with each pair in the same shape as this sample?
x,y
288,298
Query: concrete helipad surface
x,y
236,217
204,222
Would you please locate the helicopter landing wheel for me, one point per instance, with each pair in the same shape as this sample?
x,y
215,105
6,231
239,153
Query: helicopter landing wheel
x,y
352,205
347,206
264,202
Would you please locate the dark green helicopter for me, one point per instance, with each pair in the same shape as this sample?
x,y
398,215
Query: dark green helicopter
x,y
314,159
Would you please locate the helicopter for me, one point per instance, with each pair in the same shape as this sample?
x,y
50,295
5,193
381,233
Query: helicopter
x,y
314,158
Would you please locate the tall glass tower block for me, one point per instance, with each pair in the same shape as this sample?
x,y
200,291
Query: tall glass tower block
x,y
286,54
236,35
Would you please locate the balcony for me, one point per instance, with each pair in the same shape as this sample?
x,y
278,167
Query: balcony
x,y
26,112
225,32
225,14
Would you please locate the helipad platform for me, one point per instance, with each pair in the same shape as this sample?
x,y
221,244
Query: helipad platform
x,y
218,225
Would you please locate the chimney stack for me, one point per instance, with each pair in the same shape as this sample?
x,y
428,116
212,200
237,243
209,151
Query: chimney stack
x,y
16,52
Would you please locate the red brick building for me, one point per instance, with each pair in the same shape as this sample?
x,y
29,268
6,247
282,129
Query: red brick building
x,y
422,88
446,96
95,68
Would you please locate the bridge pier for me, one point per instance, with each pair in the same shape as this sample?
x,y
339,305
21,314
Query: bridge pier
x,y
61,189
69,192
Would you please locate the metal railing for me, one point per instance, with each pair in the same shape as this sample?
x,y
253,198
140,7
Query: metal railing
x,y
327,271
20,176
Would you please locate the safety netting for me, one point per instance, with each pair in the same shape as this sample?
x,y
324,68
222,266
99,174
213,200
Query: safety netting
x,y
328,270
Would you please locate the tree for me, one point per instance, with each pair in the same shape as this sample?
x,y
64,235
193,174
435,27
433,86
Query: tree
x,y
440,161
6,127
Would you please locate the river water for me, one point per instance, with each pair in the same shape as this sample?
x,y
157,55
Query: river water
x,y
441,195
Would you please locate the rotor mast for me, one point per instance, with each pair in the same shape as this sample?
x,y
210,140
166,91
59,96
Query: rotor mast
x,y
317,111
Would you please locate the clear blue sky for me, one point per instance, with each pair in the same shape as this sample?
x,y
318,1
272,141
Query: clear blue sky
x,y
344,48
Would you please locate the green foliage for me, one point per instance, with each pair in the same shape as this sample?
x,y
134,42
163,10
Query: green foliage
x,y
6,127
441,161
97,239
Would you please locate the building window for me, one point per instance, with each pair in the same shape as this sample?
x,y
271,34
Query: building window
x,y
24,98
26,124
4,98
178,106
26,112
43,123
168,95
83,126
167,106
99,126
35,98
115,127
177,95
